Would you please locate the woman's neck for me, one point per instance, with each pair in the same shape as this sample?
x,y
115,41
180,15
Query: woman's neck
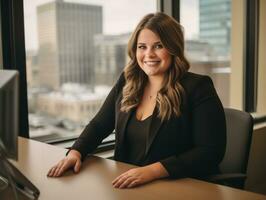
x,y
155,84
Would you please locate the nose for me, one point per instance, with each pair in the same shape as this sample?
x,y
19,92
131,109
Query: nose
x,y
150,52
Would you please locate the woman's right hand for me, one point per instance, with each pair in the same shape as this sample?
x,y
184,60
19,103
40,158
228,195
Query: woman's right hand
x,y
72,160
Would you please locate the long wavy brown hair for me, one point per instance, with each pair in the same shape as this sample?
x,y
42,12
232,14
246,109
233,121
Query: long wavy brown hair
x,y
169,97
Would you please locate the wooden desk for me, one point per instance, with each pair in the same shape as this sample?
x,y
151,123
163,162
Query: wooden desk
x,y
94,180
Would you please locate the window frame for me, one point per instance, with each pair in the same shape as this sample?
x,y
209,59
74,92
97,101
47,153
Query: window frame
x,y
251,56
14,54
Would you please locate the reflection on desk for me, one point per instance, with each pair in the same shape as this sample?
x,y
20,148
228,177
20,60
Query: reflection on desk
x,y
96,175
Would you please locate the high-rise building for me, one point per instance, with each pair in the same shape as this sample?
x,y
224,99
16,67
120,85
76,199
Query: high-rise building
x,y
66,32
215,25
110,57
32,68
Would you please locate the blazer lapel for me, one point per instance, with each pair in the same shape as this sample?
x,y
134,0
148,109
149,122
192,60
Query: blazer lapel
x,y
156,123
121,125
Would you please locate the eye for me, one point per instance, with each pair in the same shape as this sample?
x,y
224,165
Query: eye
x,y
141,46
158,46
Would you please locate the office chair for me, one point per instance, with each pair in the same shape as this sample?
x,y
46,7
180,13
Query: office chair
x,y
239,128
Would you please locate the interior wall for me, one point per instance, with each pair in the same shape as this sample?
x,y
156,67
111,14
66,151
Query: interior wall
x,y
256,173
261,106
237,54
256,180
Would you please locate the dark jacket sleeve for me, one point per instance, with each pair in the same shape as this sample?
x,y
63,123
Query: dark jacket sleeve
x,y
101,125
208,133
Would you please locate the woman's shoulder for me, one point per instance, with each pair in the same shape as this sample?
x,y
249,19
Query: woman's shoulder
x,y
121,79
120,82
191,80
197,84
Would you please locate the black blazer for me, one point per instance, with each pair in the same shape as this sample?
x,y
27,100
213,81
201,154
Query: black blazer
x,y
191,145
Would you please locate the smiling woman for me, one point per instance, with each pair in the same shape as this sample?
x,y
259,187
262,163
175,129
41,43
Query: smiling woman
x,y
154,60
179,133
162,43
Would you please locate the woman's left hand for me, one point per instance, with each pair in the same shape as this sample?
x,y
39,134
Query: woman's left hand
x,y
139,176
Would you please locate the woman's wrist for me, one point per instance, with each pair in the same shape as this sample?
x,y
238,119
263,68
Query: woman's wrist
x,y
75,153
158,170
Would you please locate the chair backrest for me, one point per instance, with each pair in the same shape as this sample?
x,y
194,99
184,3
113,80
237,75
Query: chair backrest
x,y
239,127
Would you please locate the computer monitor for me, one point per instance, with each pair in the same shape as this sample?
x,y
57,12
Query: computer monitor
x,y
9,113
9,127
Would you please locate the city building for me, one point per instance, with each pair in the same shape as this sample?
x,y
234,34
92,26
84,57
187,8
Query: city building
x,y
110,57
32,69
197,50
72,102
204,60
215,25
65,32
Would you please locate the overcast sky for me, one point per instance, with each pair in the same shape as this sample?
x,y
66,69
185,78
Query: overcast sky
x,y
119,16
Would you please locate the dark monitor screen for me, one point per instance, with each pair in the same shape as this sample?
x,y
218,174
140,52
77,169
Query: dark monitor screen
x,y
9,113
9,122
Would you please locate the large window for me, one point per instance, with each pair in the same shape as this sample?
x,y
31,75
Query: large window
x,y
60,52
75,51
207,26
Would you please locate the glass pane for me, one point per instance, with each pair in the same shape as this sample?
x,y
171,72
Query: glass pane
x,y
207,25
75,51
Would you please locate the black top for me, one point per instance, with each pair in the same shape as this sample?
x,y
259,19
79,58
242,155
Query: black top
x,y
191,145
137,133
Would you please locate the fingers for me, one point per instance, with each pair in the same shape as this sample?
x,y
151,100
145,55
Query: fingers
x,y
133,184
120,180
51,171
125,181
77,166
54,171
64,165
133,178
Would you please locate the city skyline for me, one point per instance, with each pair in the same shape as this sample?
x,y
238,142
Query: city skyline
x,y
114,22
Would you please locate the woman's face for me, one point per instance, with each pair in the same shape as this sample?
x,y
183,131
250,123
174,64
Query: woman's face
x,y
152,57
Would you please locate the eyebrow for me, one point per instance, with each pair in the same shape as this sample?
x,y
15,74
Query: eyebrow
x,y
153,43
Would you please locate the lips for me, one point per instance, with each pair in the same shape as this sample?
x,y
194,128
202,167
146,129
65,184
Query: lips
x,y
151,63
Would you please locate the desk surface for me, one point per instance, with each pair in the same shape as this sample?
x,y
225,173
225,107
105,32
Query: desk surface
x,y
96,175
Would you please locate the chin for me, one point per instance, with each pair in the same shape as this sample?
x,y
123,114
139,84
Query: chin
x,y
152,74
